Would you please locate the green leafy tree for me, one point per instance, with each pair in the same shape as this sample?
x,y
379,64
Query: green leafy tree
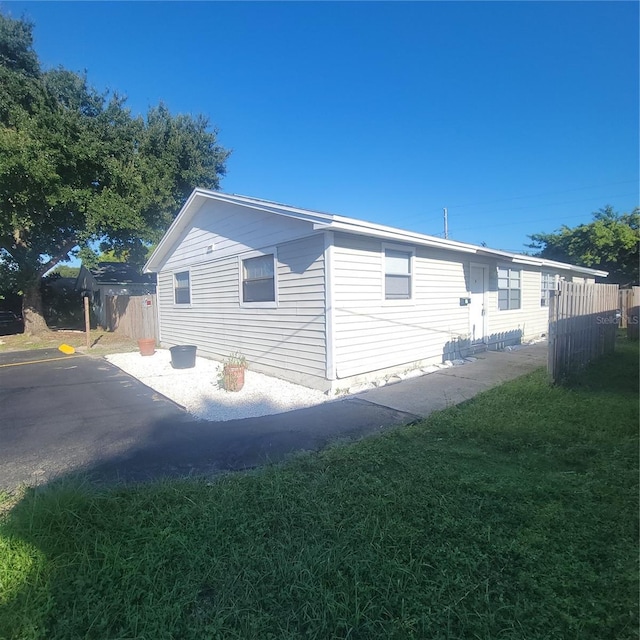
x,y
140,257
609,243
65,271
77,170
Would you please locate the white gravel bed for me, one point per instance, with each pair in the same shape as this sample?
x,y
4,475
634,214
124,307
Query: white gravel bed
x,y
197,390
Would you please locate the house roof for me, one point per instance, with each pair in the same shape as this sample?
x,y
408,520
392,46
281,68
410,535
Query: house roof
x,y
120,273
331,222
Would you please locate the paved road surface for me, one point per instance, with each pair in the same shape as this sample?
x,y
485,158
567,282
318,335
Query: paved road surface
x,y
60,415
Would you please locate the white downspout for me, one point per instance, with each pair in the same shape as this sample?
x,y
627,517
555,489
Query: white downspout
x,y
329,306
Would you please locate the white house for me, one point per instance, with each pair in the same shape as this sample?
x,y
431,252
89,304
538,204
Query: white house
x,y
326,301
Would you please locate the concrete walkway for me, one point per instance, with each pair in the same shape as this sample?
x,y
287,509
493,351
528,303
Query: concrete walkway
x,y
421,396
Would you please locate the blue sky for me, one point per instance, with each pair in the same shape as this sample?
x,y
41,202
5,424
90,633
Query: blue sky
x,y
516,116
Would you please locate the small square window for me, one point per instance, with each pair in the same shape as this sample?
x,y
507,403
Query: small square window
x,y
182,288
258,279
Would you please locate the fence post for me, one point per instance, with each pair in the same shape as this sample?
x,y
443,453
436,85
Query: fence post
x,y
633,313
87,321
553,329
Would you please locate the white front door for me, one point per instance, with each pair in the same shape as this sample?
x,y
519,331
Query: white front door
x,y
476,308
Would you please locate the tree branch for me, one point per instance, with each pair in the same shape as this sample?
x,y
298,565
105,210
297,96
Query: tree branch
x,y
63,254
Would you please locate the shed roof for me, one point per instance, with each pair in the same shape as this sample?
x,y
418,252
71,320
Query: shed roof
x,y
120,273
331,222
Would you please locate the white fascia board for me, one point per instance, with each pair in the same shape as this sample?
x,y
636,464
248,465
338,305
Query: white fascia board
x,y
151,266
552,264
391,234
328,222
272,207
530,260
518,258
189,209
351,225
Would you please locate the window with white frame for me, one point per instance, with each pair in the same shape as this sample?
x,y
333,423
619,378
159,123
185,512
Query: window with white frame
x,y
397,274
182,288
258,279
548,284
509,288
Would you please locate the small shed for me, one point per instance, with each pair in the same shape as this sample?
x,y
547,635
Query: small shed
x,y
116,290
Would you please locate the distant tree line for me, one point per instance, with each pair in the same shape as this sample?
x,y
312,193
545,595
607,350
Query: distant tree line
x,y
609,243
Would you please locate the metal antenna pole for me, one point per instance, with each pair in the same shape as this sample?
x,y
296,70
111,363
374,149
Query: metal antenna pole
x,y
446,223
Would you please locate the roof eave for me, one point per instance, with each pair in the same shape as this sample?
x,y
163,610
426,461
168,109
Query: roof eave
x,y
183,216
166,241
392,235
329,222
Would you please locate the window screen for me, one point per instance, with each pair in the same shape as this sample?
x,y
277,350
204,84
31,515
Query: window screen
x,y
397,275
258,281
181,288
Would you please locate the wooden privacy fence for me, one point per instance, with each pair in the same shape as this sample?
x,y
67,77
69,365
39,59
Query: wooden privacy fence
x,y
629,306
133,316
583,321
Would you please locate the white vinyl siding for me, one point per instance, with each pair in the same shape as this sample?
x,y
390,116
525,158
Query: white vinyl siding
x,y
512,326
530,321
220,229
371,335
580,279
287,341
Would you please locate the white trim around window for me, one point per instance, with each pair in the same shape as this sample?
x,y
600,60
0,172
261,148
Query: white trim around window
x,y
398,274
509,288
258,279
548,283
182,288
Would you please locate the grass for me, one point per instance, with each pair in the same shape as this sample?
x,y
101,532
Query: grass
x,y
512,516
101,342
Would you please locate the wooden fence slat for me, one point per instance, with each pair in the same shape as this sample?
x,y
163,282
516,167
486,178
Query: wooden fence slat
x,y
629,306
582,326
133,316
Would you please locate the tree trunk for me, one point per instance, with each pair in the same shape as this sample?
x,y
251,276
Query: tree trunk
x,y
34,322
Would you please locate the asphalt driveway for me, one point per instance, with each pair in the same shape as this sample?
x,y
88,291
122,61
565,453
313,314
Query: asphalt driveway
x,y
63,414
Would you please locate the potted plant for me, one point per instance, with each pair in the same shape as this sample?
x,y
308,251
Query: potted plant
x,y
147,346
233,372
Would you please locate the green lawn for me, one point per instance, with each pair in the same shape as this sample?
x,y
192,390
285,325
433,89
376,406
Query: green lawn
x,y
512,516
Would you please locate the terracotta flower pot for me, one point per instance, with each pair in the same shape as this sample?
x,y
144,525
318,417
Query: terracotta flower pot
x,y
233,377
147,346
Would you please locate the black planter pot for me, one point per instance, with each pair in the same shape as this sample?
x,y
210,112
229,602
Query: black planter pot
x,y
183,356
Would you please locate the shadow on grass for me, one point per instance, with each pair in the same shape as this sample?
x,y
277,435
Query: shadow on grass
x,y
423,532
613,373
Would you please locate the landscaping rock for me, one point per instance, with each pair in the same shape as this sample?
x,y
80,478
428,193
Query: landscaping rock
x,y
430,369
359,388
